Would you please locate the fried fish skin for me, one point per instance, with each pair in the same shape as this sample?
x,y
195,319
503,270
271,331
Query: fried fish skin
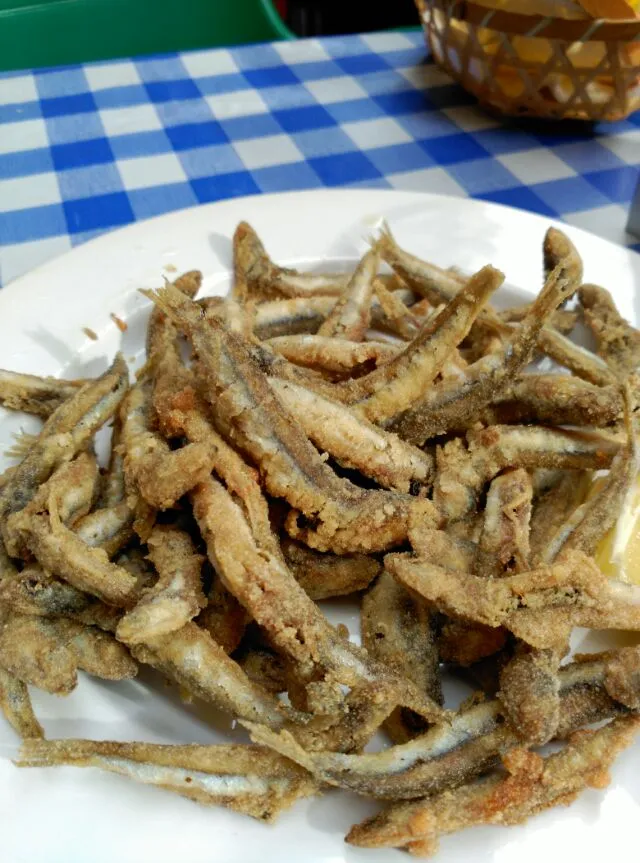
x,y
249,779
177,596
397,629
618,343
351,316
16,706
504,541
530,693
450,403
250,416
33,394
265,280
452,753
354,442
327,354
532,784
64,434
323,576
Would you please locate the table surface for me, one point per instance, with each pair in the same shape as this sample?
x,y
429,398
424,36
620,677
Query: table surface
x,y
85,149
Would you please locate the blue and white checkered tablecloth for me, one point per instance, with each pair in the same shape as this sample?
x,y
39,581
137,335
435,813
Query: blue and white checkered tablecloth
x,y
85,149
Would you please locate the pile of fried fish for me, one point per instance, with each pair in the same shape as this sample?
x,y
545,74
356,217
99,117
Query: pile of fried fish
x,y
382,433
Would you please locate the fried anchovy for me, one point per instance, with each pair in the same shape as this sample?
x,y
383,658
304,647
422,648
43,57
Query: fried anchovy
x,y
356,443
291,317
33,394
16,706
531,785
223,617
325,575
336,356
463,471
256,574
161,475
64,553
192,658
351,316
248,779
552,509
530,693
564,320
555,400
252,417
398,629
454,752
399,317
72,490
48,652
177,596
64,434
618,343
504,541
452,402
265,280
574,583
586,526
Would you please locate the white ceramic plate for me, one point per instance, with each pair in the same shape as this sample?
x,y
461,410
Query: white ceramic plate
x,y
69,815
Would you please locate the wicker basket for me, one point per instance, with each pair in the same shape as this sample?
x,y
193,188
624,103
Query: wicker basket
x,y
537,66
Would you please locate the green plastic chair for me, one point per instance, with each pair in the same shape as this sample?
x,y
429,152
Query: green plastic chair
x,y
37,33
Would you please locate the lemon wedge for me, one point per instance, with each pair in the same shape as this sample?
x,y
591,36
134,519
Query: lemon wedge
x,y
618,554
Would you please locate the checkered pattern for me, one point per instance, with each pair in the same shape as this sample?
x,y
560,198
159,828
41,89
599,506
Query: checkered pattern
x,y
84,149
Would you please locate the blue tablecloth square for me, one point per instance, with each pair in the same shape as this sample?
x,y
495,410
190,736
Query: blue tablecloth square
x,y
24,164
362,64
64,82
187,136
479,178
404,102
21,226
573,192
101,211
355,109
259,56
17,113
89,181
319,70
617,184
121,97
286,178
78,103
212,84
344,168
304,118
75,155
165,68
74,127
163,91
250,126
147,203
322,142
585,156
450,149
398,157
520,197
424,125
224,186
270,76
209,161
503,140
140,144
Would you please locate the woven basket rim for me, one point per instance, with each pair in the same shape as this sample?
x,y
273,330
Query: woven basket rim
x,y
571,30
